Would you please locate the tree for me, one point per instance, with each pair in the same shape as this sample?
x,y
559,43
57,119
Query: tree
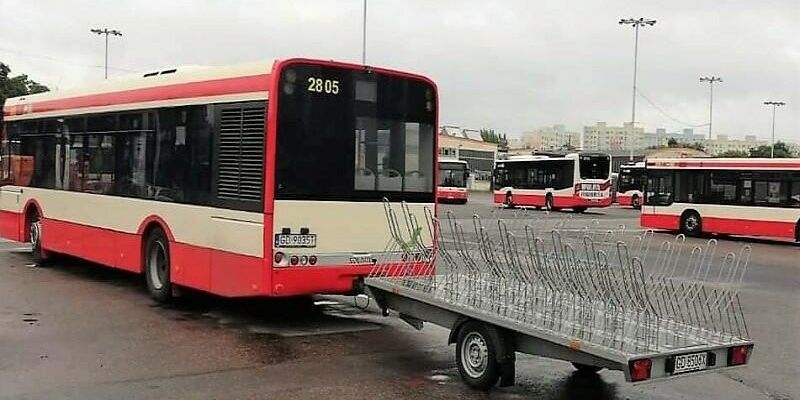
x,y
488,135
13,86
672,142
781,151
734,154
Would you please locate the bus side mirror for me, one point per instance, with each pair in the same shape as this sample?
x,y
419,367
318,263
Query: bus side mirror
x,y
466,175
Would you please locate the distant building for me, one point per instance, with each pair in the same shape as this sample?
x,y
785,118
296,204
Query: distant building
x,y
602,137
466,144
554,137
723,144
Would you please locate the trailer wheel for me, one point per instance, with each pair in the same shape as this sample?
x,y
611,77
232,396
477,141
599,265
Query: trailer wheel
x,y
477,355
586,369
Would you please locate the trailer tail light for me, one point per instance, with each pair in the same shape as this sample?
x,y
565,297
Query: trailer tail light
x,y
303,260
294,260
278,257
640,369
312,260
738,355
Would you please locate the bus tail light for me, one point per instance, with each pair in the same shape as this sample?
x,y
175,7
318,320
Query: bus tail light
x,y
312,260
294,260
738,355
640,369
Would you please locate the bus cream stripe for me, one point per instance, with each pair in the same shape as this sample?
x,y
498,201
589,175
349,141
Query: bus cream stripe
x,y
234,231
755,213
350,226
228,98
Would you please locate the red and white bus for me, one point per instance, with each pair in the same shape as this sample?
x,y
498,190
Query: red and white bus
x,y
629,185
576,180
453,176
750,197
255,180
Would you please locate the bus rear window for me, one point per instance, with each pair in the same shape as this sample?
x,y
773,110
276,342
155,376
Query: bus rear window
x,y
346,134
595,167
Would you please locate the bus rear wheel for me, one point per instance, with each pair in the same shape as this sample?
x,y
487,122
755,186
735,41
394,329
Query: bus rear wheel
x,y
157,266
691,223
35,238
509,202
548,202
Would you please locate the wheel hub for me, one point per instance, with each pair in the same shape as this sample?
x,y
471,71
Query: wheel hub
x,y
157,265
475,355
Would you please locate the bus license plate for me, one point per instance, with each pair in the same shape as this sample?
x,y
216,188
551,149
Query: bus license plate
x,y
295,240
592,195
690,362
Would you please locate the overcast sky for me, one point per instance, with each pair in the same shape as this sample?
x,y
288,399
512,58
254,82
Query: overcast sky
x,y
508,65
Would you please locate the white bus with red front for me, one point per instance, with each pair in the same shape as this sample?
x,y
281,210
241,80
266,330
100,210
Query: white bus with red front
x,y
263,179
453,176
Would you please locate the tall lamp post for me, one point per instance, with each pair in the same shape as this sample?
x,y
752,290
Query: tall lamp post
x,y
364,36
710,80
774,105
106,31
636,24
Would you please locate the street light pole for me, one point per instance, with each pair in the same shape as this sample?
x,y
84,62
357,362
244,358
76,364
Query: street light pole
x,y
364,36
106,31
774,105
710,80
636,24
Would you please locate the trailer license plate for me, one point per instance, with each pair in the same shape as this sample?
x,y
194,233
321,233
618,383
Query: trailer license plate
x,y
690,362
295,240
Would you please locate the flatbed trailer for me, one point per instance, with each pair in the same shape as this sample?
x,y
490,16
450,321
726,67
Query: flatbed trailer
x,y
513,292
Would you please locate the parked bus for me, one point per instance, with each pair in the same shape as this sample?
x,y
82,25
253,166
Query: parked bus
x,y
254,180
751,197
629,185
577,181
453,176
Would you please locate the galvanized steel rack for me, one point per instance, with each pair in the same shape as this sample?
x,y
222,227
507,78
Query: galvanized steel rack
x,y
596,295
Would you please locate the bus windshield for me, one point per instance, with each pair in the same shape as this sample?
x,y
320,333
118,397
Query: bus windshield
x,y
595,166
452,174
346,134
631,179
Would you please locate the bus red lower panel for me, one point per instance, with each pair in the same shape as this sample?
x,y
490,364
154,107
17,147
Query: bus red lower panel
x,y
536,200
660,221
103,246
520,199
447,194
293,281
237,275
746,227
624,200
10,226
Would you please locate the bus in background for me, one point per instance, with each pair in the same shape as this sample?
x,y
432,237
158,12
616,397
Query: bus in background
x,y
735,196
576,180
239,181
453,176
629,185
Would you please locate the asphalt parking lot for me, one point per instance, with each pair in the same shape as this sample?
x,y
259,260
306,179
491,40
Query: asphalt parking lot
x,y
73,330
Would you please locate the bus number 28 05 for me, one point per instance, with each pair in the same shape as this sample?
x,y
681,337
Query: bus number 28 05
x,y
319,85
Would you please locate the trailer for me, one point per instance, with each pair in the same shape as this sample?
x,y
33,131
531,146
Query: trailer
x,y
596,296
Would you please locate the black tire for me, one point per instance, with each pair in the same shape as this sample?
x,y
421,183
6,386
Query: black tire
x,y
478,343
157,266
509,200
636,202
579,210
586,369
691,223
797,232
35,239
548,202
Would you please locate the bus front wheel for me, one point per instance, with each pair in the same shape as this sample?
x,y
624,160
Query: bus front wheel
x,y
157,266
691,223
548,203
35,238
509,200
636,202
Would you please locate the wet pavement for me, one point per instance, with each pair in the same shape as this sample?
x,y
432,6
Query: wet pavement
x,y
74,330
